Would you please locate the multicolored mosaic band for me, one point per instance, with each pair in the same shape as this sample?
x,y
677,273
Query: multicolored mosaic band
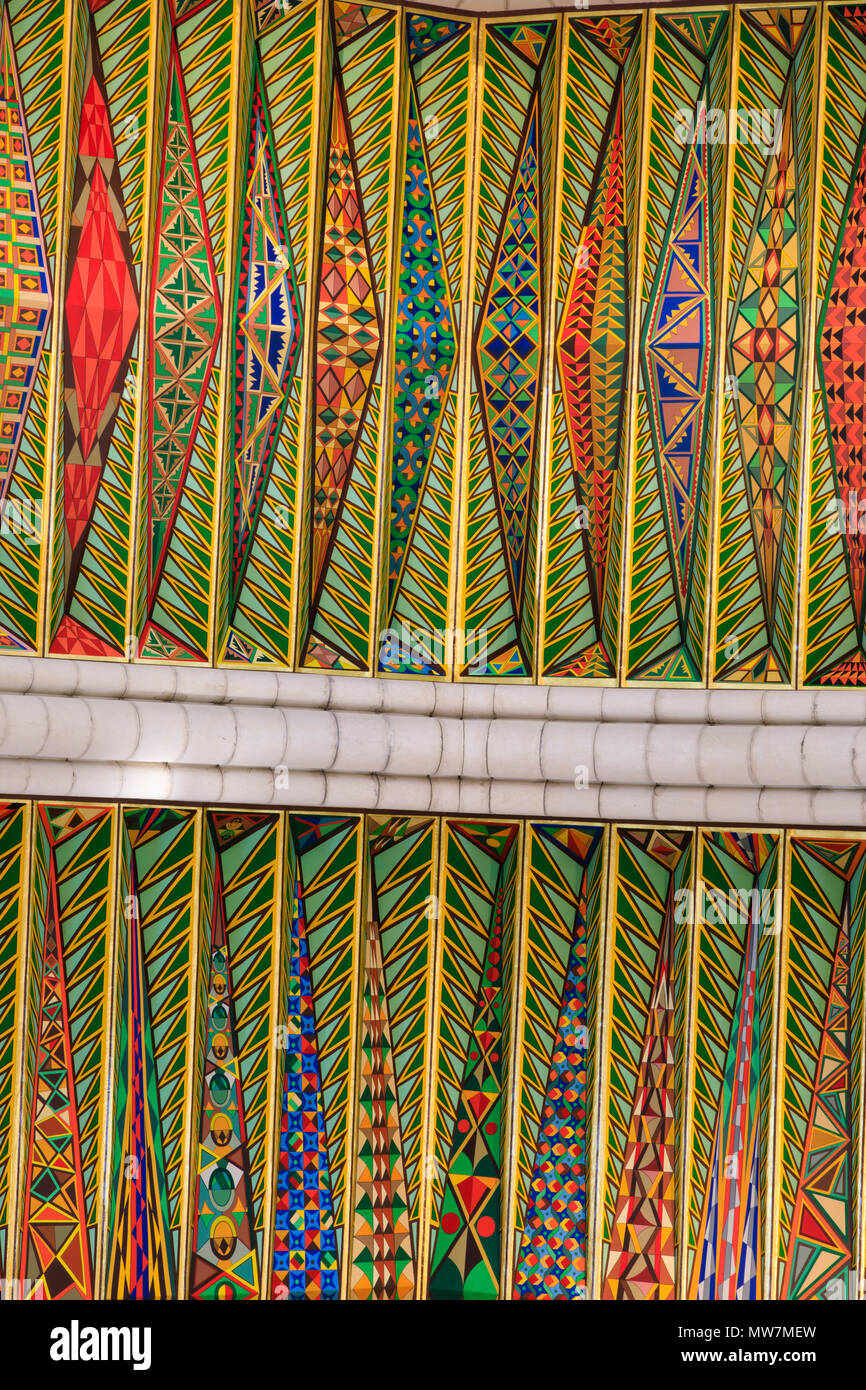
x,y
595,278
738,917
820,1227
302,1057
355,338
763,419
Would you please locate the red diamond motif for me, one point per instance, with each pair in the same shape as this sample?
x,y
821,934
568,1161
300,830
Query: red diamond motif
x,y
101,311
94,138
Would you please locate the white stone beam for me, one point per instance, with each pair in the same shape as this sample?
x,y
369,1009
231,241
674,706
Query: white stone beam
x,y
84,728
308,690
159,784
153,734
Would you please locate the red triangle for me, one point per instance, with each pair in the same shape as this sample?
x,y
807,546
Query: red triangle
x,y
478,1102
94,141
811,1229
473,1191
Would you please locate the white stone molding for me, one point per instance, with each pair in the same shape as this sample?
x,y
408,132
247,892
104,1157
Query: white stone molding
x,y
157,734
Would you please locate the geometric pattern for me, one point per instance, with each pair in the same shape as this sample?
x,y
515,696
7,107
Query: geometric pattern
x,y
432,250
67,995
141,1263
178,482
393,1060
305,1252
256,608
150,1144
101,304
726,1196
237,943
762,415
55,1238
835,653
764,351
317,999
562,943
593,289
645,1081
508,356
225,1264
424,359
731,1248
14,838
426,418
559,1181
821,1243
25,288
467,1240
184,332
350,424
676,356
465,1250
364,267
426,422
425,33
425,348
843,355
670,490
641,1257
505,402
822,1038
592,359
487,1093
99,417
32,64
268,335
383,1240
348,342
